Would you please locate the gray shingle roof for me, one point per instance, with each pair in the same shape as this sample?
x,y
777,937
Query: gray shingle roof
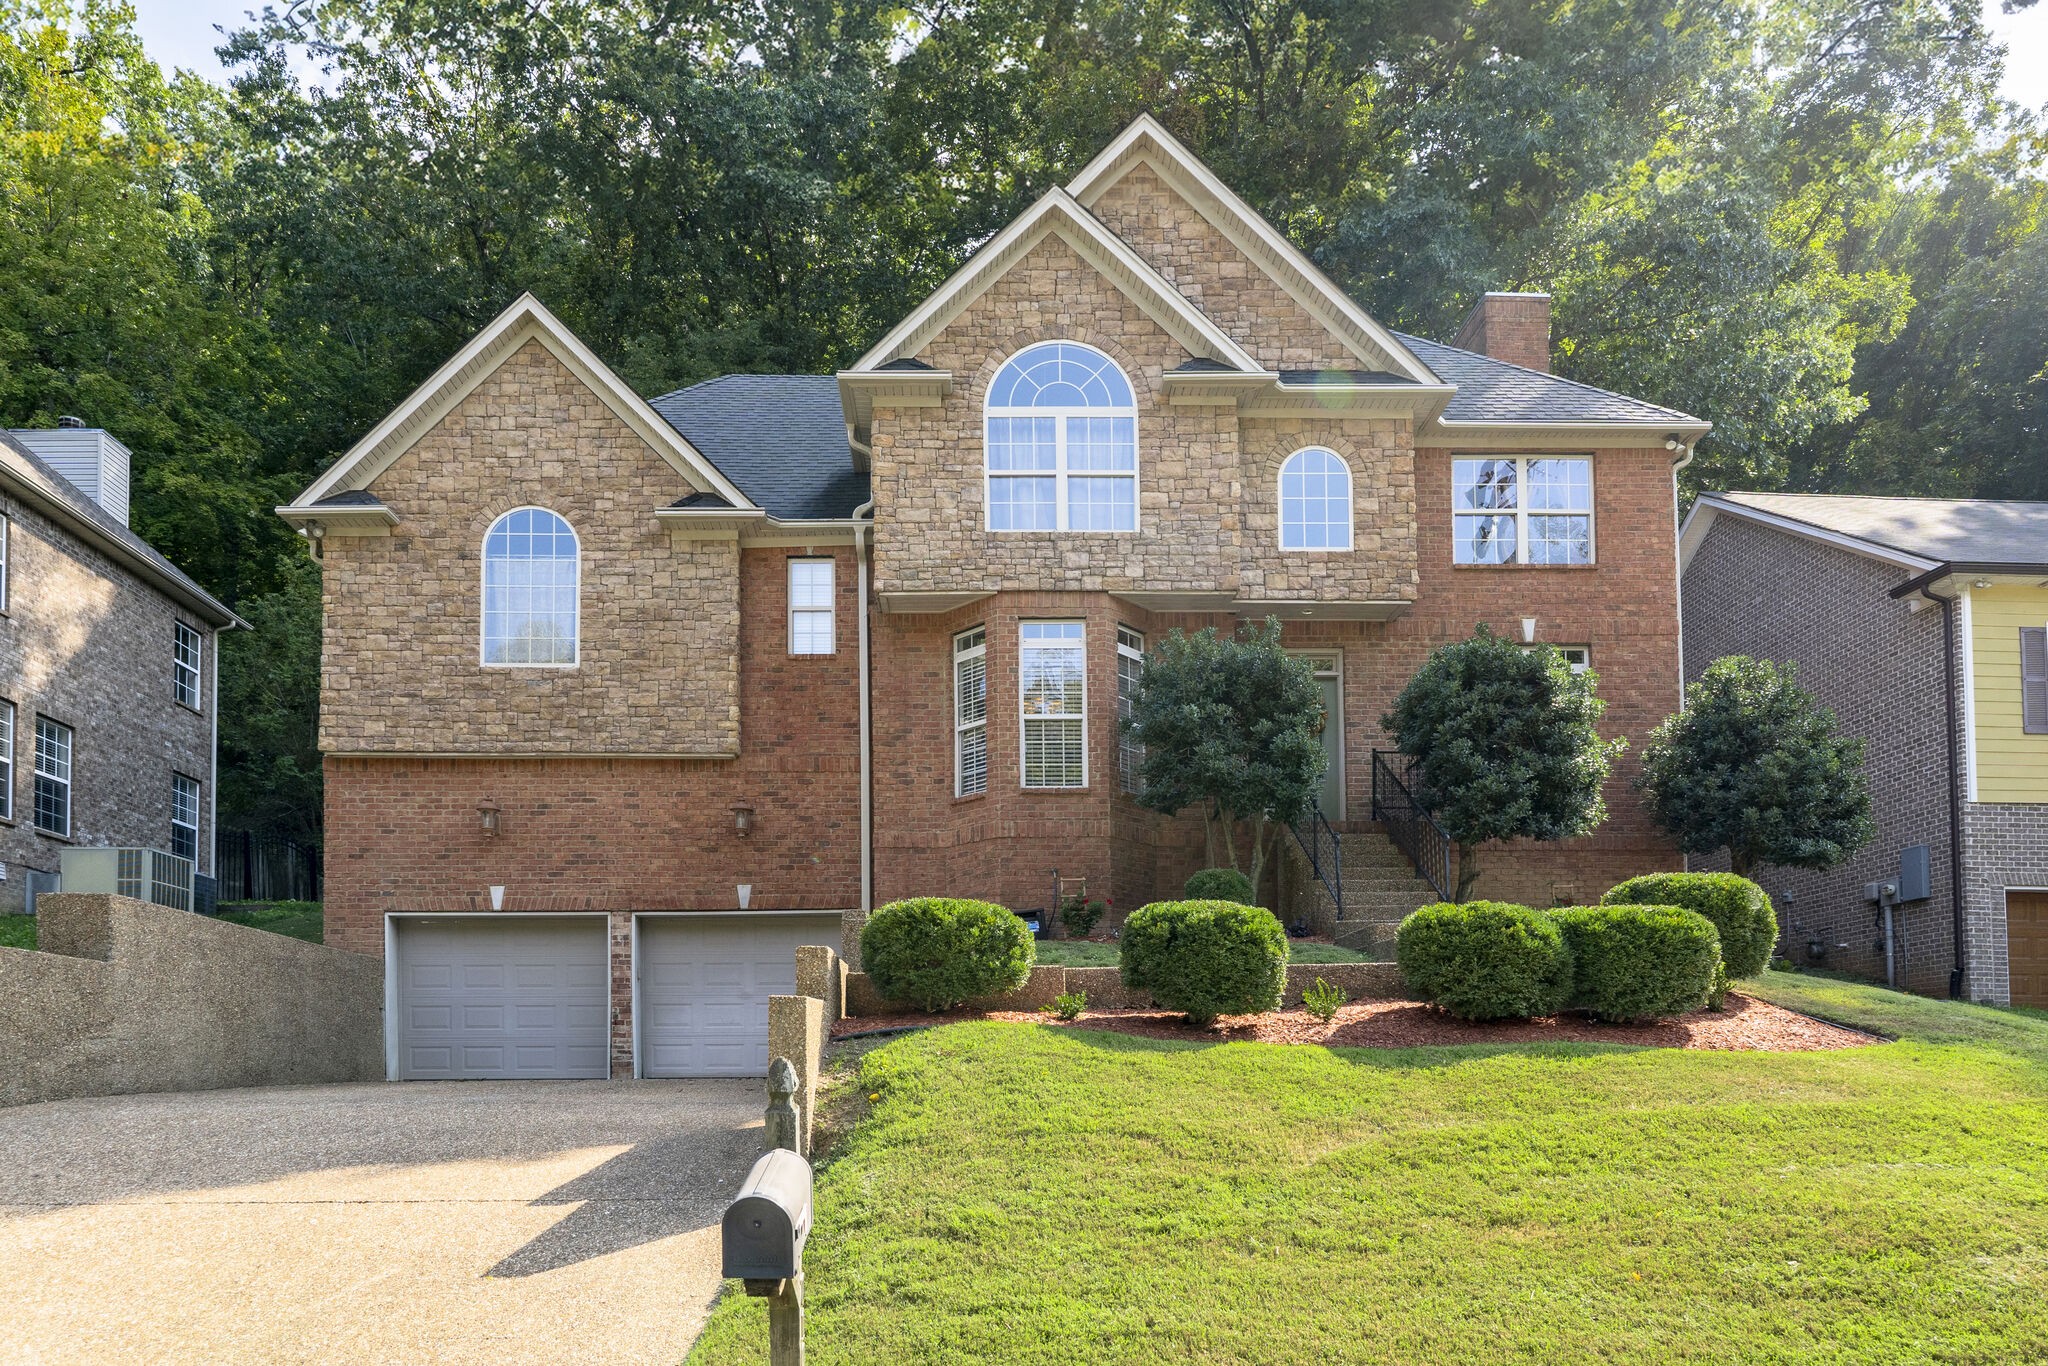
x,y
1311,378
1492,390
781,438
1951,530
29,473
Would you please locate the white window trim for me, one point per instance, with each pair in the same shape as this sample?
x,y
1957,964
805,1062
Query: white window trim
x,y
483,583
69,780
11,717
1350,507
179,631
1059,471
6,565
830,609
1126,747
1024,718
961,729
193,824
1521,512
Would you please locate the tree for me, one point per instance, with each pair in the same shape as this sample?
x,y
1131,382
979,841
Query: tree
x,y
1504,744
1753,766
1232,725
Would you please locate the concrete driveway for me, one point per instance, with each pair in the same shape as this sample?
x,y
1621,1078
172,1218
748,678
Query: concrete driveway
x,y
425,1222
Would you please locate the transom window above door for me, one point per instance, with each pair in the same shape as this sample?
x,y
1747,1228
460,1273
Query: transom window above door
x,y
1062,442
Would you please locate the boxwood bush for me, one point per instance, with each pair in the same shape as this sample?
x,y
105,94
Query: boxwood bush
x,y
1639,962
1207,958
1485,960
1220,884
936,952
1740,910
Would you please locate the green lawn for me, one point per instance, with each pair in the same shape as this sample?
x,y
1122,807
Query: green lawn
x,y
1086,953
299,919
1024,1194
17,931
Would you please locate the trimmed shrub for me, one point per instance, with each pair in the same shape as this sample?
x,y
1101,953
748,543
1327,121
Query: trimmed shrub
x,y
1485,960
1639,962
1207,958
1081,915
1740,910
1220,884
935,952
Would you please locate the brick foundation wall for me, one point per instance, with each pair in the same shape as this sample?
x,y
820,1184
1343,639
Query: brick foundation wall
x,y
1753,590
2004,846
86,644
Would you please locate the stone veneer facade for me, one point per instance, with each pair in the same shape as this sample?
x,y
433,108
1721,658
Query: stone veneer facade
x,y
86,643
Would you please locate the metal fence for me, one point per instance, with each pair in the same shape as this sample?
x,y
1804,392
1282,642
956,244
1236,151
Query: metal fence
x,y
257,867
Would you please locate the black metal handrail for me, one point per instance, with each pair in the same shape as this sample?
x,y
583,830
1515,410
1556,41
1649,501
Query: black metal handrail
x,y
1408,823
1325,850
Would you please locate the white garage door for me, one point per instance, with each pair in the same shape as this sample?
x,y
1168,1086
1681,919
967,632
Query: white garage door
x,y
705,981
512,996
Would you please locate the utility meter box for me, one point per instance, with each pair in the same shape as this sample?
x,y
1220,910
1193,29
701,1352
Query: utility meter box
x,y
1915,875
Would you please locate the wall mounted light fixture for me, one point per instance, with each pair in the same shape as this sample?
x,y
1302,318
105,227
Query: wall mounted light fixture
x,y
742,819
488,812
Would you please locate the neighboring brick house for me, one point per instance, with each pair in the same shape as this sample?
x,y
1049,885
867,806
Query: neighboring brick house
x,y
692,680
1923,623
107,655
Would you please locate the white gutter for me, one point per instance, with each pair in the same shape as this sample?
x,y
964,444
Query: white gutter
x,y
867,796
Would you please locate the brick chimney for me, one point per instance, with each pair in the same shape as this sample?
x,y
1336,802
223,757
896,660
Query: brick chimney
x,y
1510,327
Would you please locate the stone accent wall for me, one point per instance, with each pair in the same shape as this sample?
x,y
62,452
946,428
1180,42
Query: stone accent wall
x,y
659,670
1753,590
591,833
1380,566
85,643
1236,294
2004,846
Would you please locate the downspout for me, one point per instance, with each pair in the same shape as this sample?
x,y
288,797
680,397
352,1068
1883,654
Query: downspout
x,y
1955,787
867,798
213,774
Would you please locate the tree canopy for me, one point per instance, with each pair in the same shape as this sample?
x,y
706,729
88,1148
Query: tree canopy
x,y
1810,222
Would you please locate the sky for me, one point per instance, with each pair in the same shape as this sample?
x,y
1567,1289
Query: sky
x,y
181,33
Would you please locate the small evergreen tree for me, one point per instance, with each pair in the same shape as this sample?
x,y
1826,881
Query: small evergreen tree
x,y
1504,743
1232,725
1753,765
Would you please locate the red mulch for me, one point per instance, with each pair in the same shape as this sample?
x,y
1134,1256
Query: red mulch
x,y
1746,1025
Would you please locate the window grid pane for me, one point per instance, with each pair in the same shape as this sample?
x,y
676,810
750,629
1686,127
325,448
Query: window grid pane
x,y
1130,669
810,607
3,563
1052,692
970,713
1315,501
53,777
184,816
1524,510
531,582
7,760
1063,470
185,664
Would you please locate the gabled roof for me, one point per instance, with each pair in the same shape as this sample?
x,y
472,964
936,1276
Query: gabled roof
x,y
1057,214
1966,534
30,478
526,320
781,438
1495,391
1147,142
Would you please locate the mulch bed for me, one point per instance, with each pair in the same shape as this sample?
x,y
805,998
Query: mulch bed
x,y
1747,1025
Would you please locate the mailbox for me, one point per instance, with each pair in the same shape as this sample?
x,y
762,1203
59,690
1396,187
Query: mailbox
x,y
767,1222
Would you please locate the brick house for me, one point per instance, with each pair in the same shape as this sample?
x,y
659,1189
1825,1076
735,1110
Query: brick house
x,y
1923,623
685,682
107,670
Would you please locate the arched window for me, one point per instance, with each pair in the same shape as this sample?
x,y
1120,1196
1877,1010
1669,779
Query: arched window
x,y
1062,443
532,583
1315,501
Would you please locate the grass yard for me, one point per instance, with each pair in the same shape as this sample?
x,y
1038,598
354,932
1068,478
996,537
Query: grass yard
x,y
1018,1194
298,919
1086,953
17,931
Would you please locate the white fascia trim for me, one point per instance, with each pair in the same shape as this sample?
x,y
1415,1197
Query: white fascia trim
x,y
1711,505
1967,630
526,320
1057,212
1244,226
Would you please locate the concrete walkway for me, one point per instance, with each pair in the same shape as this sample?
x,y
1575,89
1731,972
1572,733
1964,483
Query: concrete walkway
x,y
490,1222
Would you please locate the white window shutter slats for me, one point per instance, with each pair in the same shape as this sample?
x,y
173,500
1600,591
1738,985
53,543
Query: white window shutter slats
x,y
2034,679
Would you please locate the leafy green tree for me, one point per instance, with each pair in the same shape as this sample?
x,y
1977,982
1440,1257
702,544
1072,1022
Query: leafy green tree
x,y
1505,745
1753,766
270,708
1231,725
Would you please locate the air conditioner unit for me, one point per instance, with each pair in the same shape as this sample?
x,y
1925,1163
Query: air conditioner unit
x,y
144,874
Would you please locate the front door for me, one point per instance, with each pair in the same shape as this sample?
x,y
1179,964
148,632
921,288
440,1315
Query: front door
x,y
1329,671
